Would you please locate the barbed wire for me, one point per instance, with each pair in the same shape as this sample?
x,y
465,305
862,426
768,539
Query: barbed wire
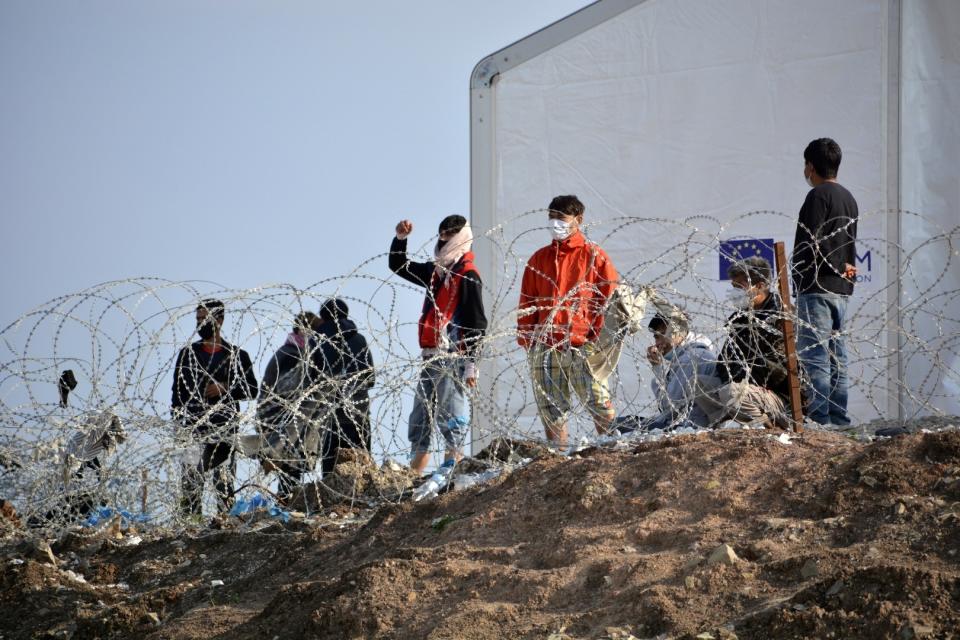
x,y
120,340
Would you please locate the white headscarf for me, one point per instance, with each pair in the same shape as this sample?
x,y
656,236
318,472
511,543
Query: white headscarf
x,y
455,247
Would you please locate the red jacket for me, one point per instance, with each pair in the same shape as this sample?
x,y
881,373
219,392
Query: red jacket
x,y
440,304
564,290
453,304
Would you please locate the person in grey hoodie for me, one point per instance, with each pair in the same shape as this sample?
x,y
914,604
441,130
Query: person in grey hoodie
x,y
679,359
286,406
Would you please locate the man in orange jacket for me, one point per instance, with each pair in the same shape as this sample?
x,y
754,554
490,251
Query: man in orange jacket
x,y
563,295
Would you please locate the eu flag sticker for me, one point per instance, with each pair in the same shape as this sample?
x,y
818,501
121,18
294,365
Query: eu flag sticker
x,y
739,248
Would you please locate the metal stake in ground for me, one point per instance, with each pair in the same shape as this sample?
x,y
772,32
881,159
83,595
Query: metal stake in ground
x,y
789,337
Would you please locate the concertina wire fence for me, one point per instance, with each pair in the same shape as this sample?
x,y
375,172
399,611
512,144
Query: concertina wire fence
x,y
120,340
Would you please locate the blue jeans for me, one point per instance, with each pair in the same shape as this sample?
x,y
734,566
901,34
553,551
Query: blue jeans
x,y
441,399
823,355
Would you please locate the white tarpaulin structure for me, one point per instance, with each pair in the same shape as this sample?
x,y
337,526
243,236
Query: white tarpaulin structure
x,y
697,113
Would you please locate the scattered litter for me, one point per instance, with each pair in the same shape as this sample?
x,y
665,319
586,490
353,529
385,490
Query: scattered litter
x,y
216,583
392,465
132,541
891,432
76,577
256,502
16,561
783,438
465,480
106,514
439,480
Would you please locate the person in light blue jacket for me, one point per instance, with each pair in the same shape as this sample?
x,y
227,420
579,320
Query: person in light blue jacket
x,y
681,361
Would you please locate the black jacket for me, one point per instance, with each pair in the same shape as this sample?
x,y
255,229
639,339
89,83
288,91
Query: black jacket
x,y
469,322
195,368
341,354
825,241
754,350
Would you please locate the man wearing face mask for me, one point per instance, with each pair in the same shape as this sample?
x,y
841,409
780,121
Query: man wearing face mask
x,y
563,294
751,384
680,359
824,270
210,379
450,331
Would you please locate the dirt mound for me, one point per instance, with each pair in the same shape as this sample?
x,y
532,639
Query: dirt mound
x,y
355,479
732,534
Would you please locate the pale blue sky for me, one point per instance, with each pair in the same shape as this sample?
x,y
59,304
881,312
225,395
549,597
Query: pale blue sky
x,y
242,142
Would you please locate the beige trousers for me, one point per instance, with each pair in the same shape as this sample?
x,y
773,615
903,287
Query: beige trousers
x,y
739,401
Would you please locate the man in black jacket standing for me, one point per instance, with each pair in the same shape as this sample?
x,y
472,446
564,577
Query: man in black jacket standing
x,y
210,379
343,367
751,384
824,259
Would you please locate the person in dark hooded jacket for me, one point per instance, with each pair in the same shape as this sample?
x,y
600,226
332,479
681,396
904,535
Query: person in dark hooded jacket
x,y
750,385
342,362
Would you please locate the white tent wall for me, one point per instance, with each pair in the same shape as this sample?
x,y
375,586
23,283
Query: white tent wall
x,y
697,113
930,185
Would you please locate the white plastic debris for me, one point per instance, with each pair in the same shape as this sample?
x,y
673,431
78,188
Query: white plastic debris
x,y
436,482
132,541
16,561
783,439
464,480
216,583
76,577
393,465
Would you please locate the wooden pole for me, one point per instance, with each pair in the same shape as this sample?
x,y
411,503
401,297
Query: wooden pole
x,y
789,338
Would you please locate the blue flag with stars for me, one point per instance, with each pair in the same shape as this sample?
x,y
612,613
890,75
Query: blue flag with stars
x,y
739,248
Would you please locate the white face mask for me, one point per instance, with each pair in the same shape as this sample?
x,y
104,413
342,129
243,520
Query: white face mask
x,y
739,298
560,230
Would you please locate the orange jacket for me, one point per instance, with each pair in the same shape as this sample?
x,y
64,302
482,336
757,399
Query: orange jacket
x,y
565,287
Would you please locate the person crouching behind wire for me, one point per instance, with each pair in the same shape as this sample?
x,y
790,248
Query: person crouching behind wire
x,y
751,384
679,359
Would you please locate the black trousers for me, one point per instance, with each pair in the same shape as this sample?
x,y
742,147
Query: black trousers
x,y
220,458
350,428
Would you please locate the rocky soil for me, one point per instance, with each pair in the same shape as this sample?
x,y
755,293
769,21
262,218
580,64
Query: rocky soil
x,y
731,534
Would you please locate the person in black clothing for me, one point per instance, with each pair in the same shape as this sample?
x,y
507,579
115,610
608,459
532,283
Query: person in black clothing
x,y
344,373
824,269
210,379
286,408
450,331
751,384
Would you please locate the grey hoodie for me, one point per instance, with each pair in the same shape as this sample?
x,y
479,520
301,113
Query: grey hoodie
x,y
674,383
